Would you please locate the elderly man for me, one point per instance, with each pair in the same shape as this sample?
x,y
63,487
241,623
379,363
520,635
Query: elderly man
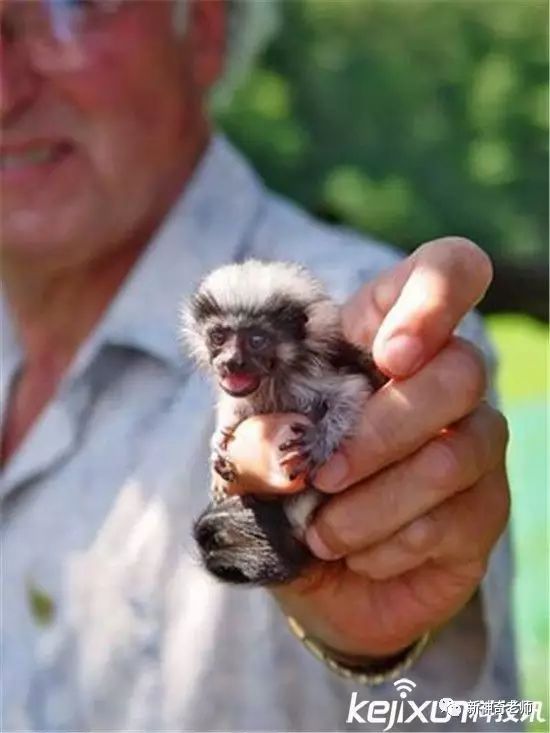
x,y
116,199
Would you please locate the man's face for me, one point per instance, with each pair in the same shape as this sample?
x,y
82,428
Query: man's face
x,y
93,153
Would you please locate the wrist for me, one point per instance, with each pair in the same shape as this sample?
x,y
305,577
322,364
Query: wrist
x,y
374,662
365,669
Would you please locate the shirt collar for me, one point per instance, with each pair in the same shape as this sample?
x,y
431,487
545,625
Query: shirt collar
x,y
207,226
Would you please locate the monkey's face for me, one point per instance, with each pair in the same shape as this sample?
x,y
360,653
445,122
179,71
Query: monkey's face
x,y
242,357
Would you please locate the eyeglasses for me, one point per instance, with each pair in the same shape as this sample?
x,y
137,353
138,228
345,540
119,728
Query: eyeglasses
x,y
56,31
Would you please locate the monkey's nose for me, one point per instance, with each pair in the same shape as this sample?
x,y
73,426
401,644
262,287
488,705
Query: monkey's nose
x,y
235,363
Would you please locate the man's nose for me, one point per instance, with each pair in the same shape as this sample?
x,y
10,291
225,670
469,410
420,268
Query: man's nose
x,y
19,81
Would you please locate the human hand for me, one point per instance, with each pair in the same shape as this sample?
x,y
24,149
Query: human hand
x,y
420,493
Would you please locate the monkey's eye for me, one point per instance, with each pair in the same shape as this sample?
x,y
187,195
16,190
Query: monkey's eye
x,y
258,340
217,337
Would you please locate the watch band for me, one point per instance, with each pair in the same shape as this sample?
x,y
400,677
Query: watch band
x,y
368,671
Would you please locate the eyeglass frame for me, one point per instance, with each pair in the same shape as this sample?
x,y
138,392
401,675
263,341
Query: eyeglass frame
x,y
54,39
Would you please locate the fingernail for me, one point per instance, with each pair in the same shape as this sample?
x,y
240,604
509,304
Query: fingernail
x,y
402,354
318,547
332,475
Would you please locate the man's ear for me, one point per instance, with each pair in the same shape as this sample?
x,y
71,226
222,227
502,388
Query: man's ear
x,y
207,30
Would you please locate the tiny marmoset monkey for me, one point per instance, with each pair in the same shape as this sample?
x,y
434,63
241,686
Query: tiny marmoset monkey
x,y
271,337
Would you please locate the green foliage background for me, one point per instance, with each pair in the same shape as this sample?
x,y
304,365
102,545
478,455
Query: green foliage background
x,y
522,347
407,119
410,120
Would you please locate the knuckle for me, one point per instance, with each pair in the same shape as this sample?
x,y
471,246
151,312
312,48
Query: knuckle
x,y
420,535
335,531
381,294
488,510
474,570
391,503
487,436
501,503
375,440
501,429
496,433
506,507
442,464
464,372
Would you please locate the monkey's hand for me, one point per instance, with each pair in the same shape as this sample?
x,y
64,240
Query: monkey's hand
x,y
313,444
304,452
308,450
223,467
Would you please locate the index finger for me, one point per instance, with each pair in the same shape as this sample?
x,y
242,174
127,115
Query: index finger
x,y
409,312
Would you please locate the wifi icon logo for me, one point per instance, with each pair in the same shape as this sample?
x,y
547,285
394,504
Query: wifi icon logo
x,y
404,686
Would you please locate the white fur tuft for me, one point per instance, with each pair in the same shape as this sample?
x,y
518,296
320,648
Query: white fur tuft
x,y
251,283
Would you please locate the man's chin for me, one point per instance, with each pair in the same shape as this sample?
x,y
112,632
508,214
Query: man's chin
x,y
58,230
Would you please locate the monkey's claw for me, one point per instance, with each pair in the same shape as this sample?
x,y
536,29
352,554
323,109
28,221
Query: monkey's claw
x,y
289,444
298,429
301,454
294,474
297,459
226,435
298,464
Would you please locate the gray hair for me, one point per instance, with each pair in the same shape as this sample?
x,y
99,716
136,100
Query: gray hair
x,y
251,24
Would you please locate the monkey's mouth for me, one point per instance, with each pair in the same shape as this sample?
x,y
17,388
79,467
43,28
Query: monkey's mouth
x,y
240,384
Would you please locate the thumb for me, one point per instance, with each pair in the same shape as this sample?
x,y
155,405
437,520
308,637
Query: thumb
x,y
409,312
255,453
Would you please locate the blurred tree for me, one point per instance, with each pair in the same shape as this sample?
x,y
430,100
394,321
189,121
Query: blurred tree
x,y
409,120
